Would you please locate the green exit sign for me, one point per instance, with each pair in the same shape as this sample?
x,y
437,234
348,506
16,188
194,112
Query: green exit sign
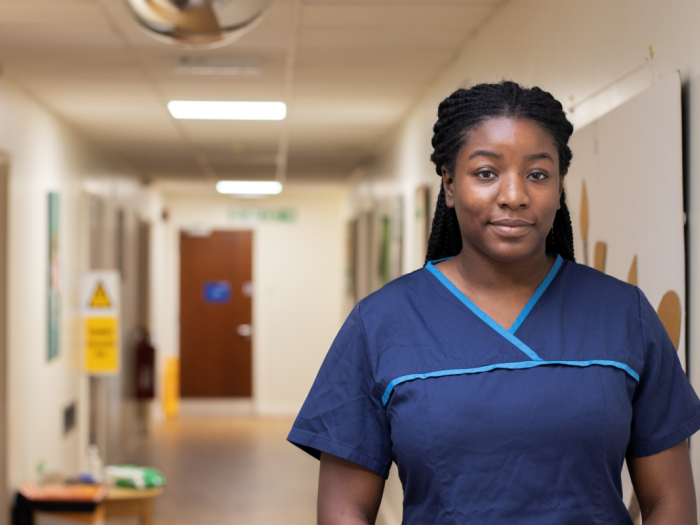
x,y
262,215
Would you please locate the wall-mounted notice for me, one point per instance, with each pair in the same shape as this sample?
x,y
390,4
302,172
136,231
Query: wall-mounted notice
x,y
262,215
54,291
100,310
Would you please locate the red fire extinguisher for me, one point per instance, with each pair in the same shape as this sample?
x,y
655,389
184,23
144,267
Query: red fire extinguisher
x,y
145,367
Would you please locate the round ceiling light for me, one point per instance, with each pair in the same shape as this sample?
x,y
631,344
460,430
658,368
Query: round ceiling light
x,y
198,23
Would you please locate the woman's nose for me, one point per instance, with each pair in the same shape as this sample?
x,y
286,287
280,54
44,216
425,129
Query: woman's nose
x,y
513,191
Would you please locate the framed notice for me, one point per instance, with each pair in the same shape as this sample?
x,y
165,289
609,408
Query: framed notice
x,y
53,314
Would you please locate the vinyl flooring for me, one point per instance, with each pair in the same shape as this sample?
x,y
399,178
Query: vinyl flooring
x,y
237,471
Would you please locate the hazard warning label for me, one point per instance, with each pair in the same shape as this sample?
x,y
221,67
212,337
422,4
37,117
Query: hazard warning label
x,y
100,299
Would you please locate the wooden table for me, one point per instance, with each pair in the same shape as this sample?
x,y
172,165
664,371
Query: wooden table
x,y
96,517
116,503
131,502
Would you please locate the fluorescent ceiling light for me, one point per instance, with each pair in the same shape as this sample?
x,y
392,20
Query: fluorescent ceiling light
x,y
249,187
210,110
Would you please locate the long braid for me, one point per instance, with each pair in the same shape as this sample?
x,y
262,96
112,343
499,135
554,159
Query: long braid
x,y
561,238
445,239
465,109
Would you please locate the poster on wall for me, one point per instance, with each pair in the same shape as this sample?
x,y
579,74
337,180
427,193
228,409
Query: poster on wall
x,y
351,260
53,328
625,194
390,261
421,230
396,252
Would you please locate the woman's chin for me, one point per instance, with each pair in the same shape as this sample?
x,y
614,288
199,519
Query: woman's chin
x,y
515,253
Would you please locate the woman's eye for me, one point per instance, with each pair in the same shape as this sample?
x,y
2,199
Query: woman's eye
x,y
485,174
538,175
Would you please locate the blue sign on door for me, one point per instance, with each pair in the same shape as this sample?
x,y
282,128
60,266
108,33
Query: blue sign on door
x,y
217,292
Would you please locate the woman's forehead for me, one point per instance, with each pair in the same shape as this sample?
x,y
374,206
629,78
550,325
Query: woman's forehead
x,y
509,132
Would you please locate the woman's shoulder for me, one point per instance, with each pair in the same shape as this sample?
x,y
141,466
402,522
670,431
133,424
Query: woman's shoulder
x,y
399,291
585,281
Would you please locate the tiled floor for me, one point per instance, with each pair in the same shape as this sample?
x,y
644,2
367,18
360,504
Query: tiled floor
x,y
230,471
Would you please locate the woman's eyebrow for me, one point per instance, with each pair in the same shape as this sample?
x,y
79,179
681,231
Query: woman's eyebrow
x,y
537,156
486,153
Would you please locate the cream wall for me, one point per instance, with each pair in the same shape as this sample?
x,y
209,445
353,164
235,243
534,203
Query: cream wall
x,y
593,55
297,279
45,155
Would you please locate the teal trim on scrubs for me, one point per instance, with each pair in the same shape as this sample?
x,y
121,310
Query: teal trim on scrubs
x,y
538,293
507,334
506,366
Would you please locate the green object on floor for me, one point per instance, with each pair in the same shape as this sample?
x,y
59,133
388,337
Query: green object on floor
x,y
135,477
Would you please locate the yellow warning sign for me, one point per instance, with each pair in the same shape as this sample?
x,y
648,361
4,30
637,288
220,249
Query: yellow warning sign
x,y
101,345
100,299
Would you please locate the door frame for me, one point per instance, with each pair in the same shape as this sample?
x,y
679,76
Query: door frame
x,y
234,406
5,502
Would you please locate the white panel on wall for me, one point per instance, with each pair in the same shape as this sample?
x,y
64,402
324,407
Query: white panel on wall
x,y
625,194
631,163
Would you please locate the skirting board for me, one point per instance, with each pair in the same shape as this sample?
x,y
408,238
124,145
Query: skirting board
x,y
215,407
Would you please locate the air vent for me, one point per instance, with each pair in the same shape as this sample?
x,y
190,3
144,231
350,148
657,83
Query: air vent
x,y
216,65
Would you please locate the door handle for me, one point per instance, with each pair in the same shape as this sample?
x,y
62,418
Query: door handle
x,y
245,331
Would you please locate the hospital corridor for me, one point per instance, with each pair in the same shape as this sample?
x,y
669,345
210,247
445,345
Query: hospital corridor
x,y
238,237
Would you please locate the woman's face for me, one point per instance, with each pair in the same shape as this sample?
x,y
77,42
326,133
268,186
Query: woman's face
x,y
505,189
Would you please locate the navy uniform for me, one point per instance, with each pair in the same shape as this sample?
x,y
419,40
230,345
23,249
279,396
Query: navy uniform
x,y
529,425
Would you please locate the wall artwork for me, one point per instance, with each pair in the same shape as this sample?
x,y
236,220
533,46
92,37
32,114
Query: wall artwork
x,y
396,252
626,199
625,194
53,314
389,228
421,230
351,291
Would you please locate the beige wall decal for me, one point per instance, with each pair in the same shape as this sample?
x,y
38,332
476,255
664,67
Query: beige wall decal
x,y
599,256
584,221
670,314
632,275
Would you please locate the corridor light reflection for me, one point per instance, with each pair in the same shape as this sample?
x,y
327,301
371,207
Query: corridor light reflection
x,y
227,110
249,187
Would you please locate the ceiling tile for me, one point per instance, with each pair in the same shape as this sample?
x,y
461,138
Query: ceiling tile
x,y
360,65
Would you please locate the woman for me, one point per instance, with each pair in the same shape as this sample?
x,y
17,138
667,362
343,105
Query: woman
x,y
508,383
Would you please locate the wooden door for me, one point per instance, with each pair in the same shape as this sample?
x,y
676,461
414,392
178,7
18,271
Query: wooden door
x,y
215,314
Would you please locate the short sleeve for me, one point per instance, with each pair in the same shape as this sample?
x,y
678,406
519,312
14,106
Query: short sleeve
x,y
666,409
343,414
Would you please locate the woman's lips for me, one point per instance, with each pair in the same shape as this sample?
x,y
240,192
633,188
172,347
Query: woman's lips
x,y
512,227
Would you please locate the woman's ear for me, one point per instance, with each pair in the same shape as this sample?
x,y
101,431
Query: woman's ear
x,y
448,182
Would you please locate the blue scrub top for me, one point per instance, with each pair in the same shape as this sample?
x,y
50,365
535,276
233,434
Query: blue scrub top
x,y
529,425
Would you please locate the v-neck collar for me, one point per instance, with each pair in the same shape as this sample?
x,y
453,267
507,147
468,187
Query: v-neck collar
x,y
510,333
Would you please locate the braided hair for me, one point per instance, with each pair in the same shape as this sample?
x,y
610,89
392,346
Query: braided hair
x,y
465,109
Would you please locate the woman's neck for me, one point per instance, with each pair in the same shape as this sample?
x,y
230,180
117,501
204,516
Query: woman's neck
x,y
500,289
479,271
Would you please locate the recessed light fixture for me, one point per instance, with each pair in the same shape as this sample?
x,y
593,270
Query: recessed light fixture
x,y
217,65
249,187
212,110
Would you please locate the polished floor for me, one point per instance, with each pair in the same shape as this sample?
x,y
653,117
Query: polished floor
x,y
237,471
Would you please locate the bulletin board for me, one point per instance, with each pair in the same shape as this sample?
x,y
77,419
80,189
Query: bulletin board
x,y
625,193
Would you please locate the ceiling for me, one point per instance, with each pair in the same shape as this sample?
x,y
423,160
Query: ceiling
x,y
349,70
